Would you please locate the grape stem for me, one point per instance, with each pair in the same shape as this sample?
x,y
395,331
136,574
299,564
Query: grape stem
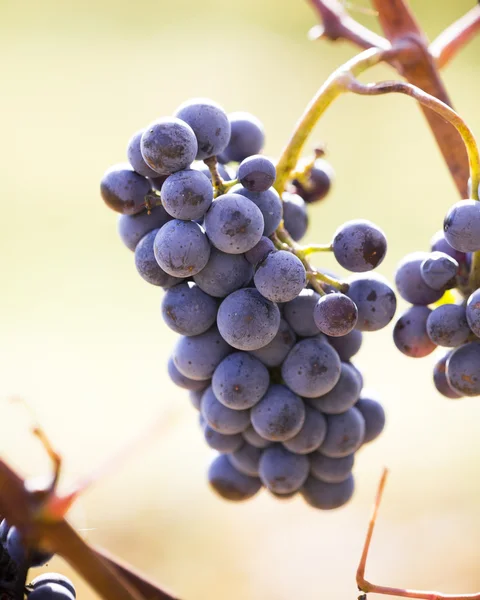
x,y
219,185
317,248
455,37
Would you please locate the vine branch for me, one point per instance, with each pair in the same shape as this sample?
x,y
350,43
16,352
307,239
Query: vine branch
x,y
447,45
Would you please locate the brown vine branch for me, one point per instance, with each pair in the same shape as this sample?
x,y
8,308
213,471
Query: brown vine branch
x,y
447,45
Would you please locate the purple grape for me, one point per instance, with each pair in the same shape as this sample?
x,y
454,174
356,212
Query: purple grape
x,y
299,313
439,244
168,145
260,251
123,190
187,194
252,437
135,158
131,228
335,314
269,204
318,184
246,459
194,385
240,381
246,139
247,320
279,415
210,125
312,368
438,271
181,248
280,277
147,265
51,591
345,434
282,471
187,310
194,395
462,226
376,301
295,217
198,356
343,395
331,470
328,496
410,332
55,578
223,419
373,415
229,483
463,370
311,435
410,283
221,442
440,378
223,274
447,325
347,345
16,549
257,173
274,353
473,312
359,246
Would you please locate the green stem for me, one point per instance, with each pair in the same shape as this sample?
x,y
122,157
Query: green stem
x,y
317,248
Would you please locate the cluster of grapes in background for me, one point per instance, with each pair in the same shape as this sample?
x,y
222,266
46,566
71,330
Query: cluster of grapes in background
x,y
266,340
13,557
424,279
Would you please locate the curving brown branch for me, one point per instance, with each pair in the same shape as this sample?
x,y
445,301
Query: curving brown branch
x,y
447,45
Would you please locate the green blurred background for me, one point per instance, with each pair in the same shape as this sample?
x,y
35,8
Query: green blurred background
x,y
81,336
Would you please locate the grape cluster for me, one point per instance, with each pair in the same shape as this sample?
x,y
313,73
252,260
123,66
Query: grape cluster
x,y
266,340
443,278
48,586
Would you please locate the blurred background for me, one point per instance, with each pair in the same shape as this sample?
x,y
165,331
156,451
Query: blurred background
x,y
81,336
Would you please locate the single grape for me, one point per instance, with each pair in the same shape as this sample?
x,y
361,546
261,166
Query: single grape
x,y
187,194
223,273
223,419
147,266
359,245
331,470
260,251
123,190
319,181
234,224
221,442
462,226
135,158
463,371
280,277
299,313
328,496
194,385
56,578
197,356
345,434
229,483
347,345
282,471
181,248
410,283
295,217
312,368
247,137
257,173
252,437
269,204
17,552
473,312
246,459
343,395
410,332
168,145
279,415
51,591
210,125
187,310
440,378
447,325
373,415
438,271
132,228
375,300
240,381
274,353
439,244
335,314
311,435
247,320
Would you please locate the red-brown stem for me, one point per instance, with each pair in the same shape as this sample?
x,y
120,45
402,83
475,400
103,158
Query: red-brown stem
x,y
455,37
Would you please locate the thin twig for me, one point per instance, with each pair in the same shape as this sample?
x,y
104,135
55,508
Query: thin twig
x,y
455,37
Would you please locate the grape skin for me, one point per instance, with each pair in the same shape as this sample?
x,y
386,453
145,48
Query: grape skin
x,y
373,415
131,228
410,283
295,217
234,224
257,173
194,385
274,353
410,332
331,470
440,379
246,459
260,251
187,310
220,441
312,368
229,483
246,138
123,190
168,145
438,271
343,395
347,345
181,248
447,325
280,277
320,179
147,265
282,471
187,194
51,591
279,415
299,313
247,320
376,301
462,226
359,246
269,204
473,312
223,274
16,550
463,371
311,435
240,381
220,418
328,496
438,243
135,158
209,123
197,356
55,578
252,437
345,434
335,314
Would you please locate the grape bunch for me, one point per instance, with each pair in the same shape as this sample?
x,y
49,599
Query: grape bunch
x,y
266,340
48,586
445,278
